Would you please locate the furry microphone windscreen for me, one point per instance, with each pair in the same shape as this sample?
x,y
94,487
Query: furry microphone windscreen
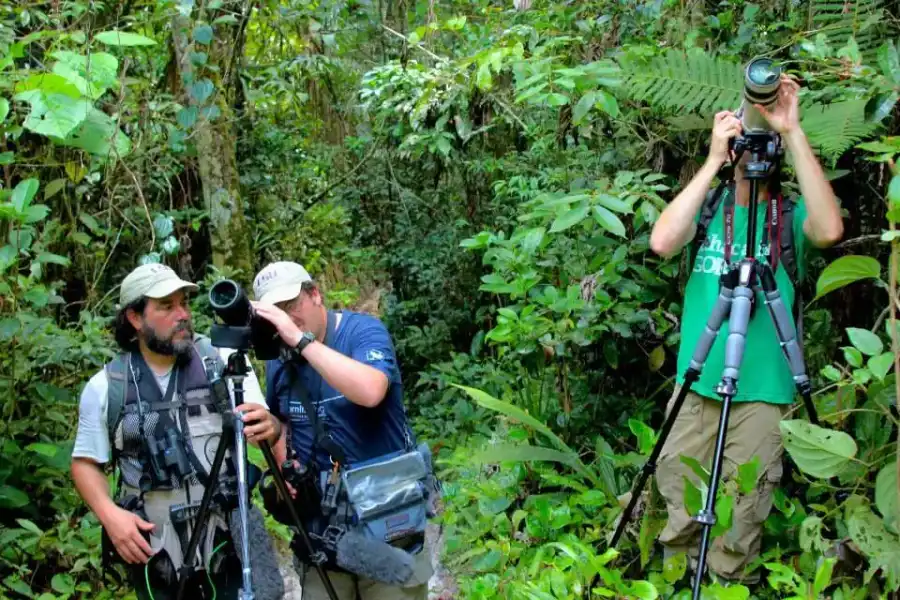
x,y
373,559
268,584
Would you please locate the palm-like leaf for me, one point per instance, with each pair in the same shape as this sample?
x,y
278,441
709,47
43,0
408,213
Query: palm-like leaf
x,y
834,128
839,20
692,81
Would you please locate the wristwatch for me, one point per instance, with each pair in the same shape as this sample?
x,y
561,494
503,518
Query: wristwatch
x,y
306,339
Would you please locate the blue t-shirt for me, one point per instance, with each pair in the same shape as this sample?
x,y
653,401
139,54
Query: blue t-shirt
x,y
363,433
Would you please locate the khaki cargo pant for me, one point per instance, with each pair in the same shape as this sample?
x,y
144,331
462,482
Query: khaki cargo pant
x,y
752,431
346,585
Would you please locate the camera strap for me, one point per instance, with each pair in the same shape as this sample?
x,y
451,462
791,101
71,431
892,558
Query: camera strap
x,y
320,438
771,242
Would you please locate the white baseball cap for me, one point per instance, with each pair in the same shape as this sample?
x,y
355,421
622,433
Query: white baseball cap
x,y
152,280
279,282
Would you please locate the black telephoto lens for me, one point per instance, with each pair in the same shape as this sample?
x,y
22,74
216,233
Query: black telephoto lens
x,y
231,303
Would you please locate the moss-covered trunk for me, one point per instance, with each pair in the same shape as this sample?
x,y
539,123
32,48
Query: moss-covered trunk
x,y
207,58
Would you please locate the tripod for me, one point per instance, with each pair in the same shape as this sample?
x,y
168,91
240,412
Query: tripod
x,y
737,289
233,431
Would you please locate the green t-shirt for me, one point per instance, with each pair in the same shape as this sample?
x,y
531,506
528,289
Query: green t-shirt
x,y
765,375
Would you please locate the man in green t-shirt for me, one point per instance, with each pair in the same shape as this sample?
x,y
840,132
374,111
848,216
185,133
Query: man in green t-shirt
x,y
765,386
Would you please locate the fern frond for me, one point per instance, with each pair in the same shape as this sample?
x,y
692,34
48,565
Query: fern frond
x,y
839,20
692,81
833,128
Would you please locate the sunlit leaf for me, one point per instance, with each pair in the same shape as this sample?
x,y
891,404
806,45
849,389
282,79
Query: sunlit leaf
x,y
24,193
583,107
865,341
846,270
881,364
609,221
123,38
886,497
569,218
54,115
99,135
817,451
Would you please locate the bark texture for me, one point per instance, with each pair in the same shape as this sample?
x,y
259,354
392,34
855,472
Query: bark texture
x,y
213,134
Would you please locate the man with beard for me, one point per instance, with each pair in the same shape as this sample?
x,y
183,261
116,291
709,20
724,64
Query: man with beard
x,y
151,413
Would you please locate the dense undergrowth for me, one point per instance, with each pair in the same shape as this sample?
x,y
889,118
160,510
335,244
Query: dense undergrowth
x,y
483,175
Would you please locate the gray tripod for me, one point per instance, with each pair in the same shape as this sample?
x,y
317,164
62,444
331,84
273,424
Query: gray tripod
x,y
737,290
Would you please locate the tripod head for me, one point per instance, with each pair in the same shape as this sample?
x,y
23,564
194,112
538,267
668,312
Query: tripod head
x,y
765,149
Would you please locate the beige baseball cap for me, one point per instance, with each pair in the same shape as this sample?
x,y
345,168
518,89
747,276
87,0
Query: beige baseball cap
x,y
279,282
151,281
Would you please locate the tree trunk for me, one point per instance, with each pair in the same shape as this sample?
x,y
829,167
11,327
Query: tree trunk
x,y
208,123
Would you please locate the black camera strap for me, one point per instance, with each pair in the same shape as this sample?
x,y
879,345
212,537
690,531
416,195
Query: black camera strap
x,y
320,438
771,242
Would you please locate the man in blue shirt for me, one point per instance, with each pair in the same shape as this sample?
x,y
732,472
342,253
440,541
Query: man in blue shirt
x,y
353,380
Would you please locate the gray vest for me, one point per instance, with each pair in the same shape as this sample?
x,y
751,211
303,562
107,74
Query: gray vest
x,y
192,411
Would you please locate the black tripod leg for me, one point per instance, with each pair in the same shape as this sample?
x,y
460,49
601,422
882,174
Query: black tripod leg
x,y
787,337
204,512
734,354
298,523
701,351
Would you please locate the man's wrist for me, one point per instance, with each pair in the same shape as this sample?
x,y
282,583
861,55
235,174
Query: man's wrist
x,y
104,510
794,136
714,163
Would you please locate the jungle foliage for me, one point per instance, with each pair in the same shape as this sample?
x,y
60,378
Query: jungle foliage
x,y
484,175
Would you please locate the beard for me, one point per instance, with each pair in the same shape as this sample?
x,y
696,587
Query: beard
x,y
168,346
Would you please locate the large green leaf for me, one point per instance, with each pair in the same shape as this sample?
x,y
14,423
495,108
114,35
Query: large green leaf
x,y
887,498
4,109
583,107
569,218
614,203
97,134
867,530
608,220
889,61
91,75
54,115
24,193
817,451
527,453
11,497
880,546
846,270
881,364
123,38
488,401
865,341
48,83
